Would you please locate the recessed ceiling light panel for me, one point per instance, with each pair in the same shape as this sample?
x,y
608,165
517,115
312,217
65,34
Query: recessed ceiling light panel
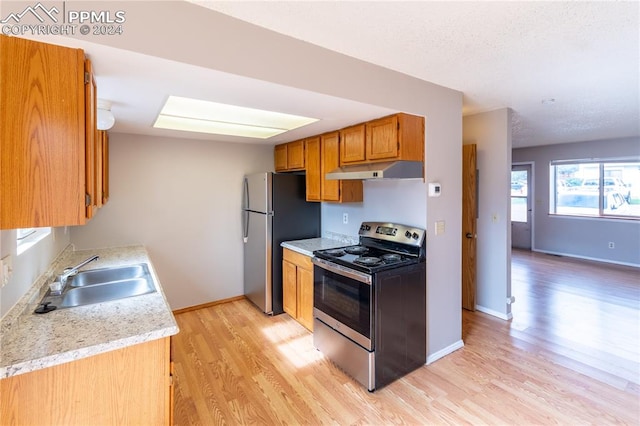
x,y
194,115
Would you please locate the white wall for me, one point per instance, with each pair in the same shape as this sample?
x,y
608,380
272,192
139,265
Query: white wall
x,y
581,237
29,265
399,201
181,198
491,132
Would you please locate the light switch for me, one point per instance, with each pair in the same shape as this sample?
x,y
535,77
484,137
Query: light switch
x,y
440,227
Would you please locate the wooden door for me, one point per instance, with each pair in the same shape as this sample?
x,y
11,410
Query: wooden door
x,y
469,216
352,144
314,172
330,160
382,138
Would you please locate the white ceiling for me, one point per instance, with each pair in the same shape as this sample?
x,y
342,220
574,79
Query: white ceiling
x,y
586,56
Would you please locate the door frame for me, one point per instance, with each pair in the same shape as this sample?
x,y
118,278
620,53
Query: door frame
x,y
532,192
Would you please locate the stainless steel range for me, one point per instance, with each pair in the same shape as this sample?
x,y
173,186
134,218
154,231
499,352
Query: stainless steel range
x,y
370,303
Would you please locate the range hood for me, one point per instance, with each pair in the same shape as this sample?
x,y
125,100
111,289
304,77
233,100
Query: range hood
x,y
383,170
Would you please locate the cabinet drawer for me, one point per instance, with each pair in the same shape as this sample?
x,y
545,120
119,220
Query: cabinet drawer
x,y
298,259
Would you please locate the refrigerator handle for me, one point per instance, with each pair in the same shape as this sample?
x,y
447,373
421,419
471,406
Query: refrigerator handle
x,y
245,194
245,226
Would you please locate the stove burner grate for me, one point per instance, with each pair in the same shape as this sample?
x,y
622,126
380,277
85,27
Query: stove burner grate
x,y
391,257
356,250
335,252
368,261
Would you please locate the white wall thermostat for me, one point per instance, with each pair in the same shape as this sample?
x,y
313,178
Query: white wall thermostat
x,y
435,189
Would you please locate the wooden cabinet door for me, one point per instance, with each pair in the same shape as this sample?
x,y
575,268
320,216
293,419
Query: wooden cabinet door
x,y
295,155
382,138
352,144
42,153
289,288
330,148
305,297
280,157
104,138
92,144
314,173
125,386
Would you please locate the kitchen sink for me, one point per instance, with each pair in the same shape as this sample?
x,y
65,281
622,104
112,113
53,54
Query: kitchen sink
x,y
96,293
107,275
100,285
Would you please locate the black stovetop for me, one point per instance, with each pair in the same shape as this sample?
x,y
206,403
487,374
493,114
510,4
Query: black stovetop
x,y
367,259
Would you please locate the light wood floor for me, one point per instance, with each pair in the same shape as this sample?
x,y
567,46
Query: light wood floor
x,y
570,356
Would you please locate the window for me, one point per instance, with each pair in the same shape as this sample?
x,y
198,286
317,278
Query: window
x,y
28,237
604,188
519,193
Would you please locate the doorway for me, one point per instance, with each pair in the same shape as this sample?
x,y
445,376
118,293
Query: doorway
x,y
521,206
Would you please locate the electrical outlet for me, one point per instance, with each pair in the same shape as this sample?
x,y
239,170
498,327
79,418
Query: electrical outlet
x,y
6,267
345,218
612,245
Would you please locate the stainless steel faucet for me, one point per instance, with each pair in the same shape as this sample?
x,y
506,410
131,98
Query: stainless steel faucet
x,y
57,287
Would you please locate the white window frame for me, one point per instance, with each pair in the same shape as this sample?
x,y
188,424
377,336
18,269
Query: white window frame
x,y
600,163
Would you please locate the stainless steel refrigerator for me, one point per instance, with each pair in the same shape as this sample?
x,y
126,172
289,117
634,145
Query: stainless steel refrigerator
x,y
274,210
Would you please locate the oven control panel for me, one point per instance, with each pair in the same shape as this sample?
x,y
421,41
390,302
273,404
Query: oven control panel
x,y
393,232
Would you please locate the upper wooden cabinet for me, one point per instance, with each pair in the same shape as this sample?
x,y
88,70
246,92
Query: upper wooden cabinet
x,y
289,156
103,144
314,173
342,191
92,163
352,144
323,156
280,157
47,151
396,137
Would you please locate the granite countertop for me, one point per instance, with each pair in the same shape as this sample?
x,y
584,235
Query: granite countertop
x,y
31,342
308,246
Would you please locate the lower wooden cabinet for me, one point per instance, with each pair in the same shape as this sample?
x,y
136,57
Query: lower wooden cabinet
x,y
297,291
132,385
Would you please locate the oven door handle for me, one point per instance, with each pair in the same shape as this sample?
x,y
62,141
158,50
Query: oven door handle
x,y
337,269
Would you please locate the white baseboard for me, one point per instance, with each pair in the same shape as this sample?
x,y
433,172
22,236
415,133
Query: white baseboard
x,y
497,314
446,351
635,265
